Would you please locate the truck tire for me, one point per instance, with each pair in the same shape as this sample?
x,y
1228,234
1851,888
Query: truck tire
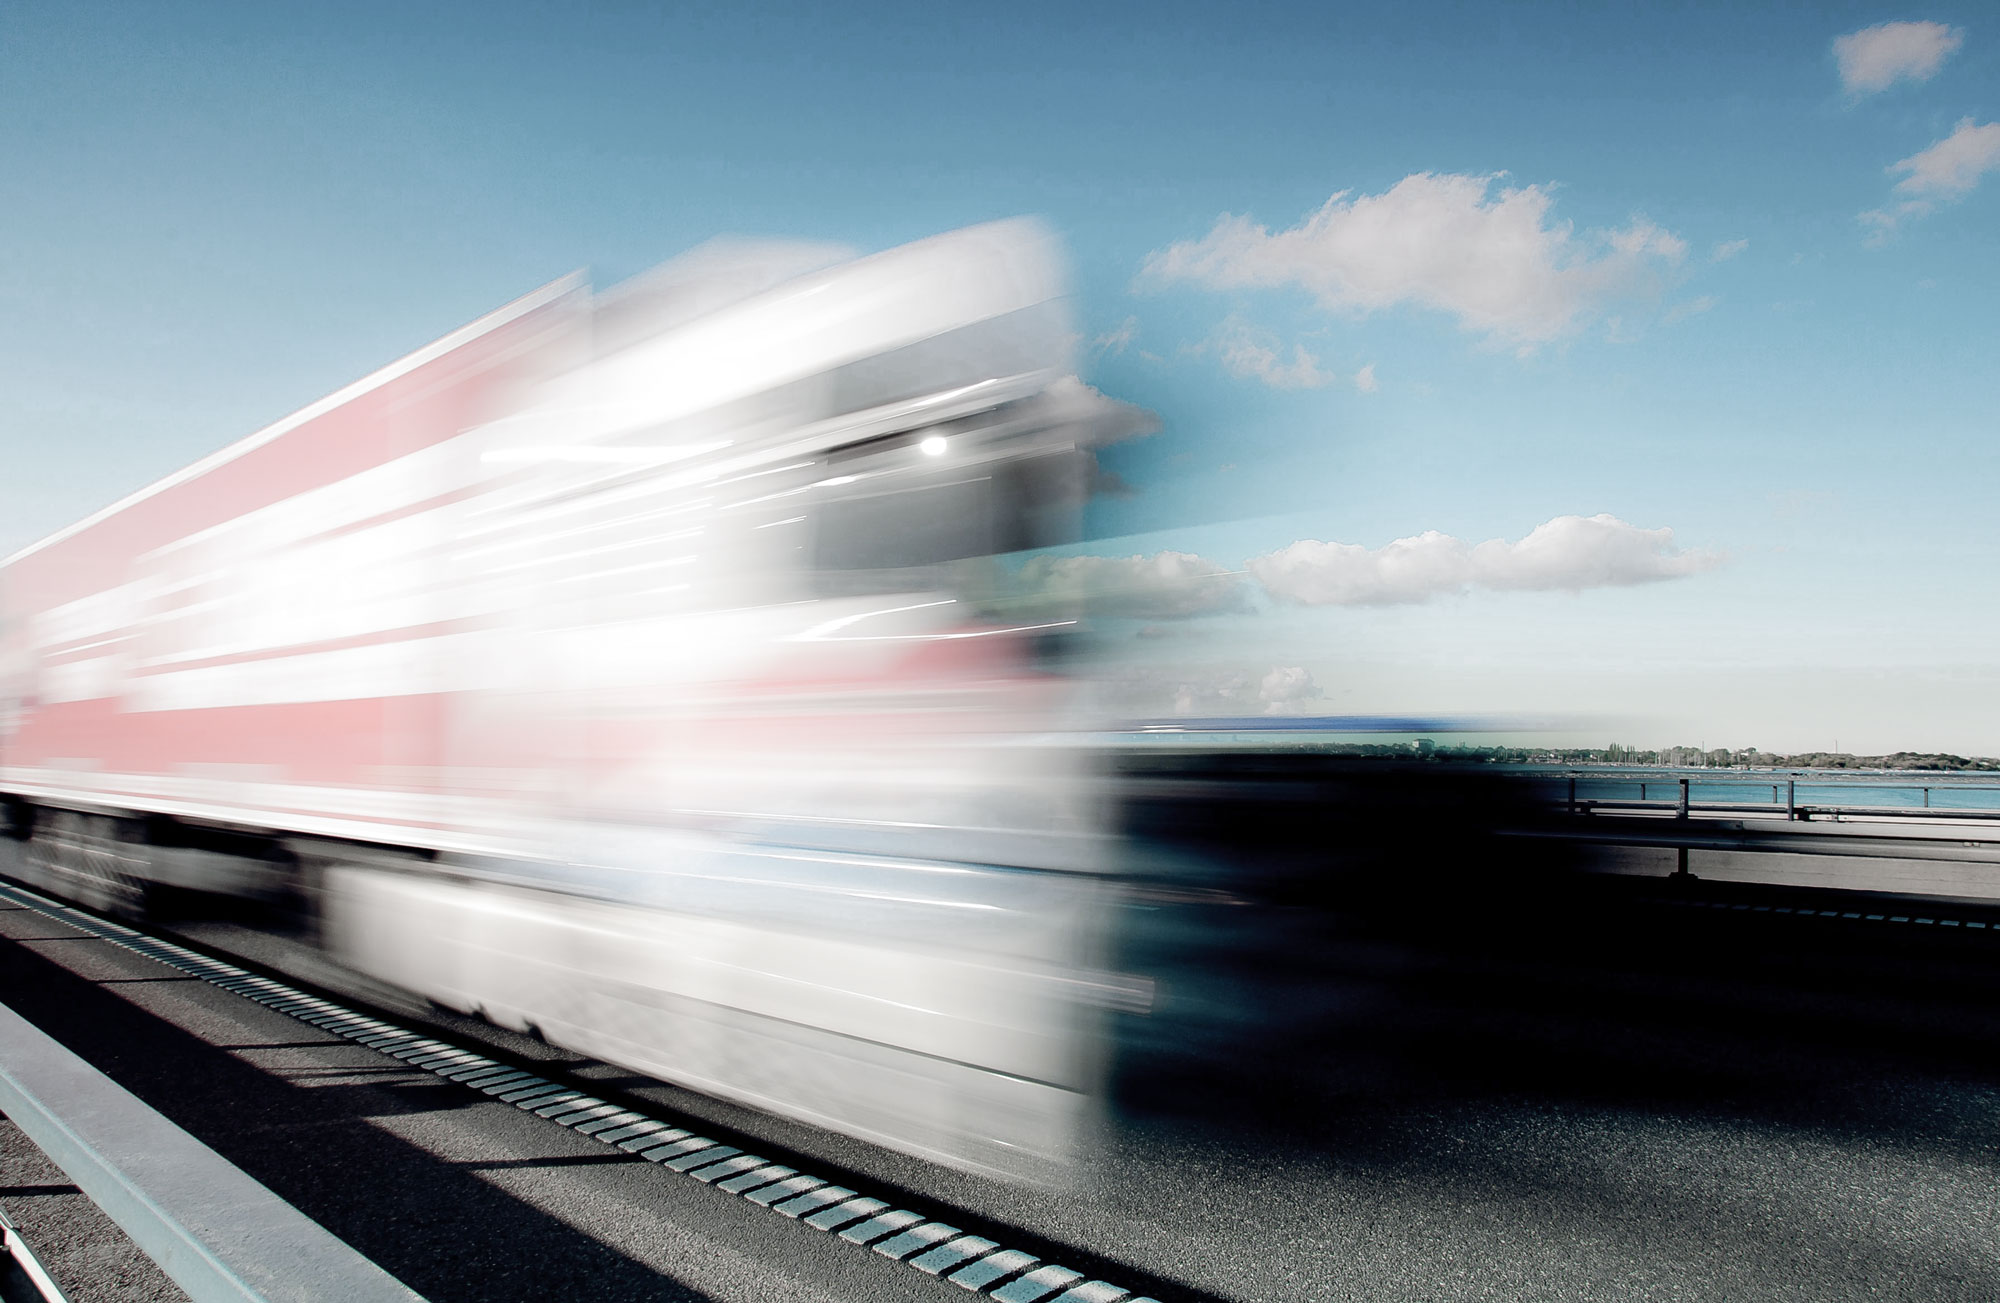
x,y
88,859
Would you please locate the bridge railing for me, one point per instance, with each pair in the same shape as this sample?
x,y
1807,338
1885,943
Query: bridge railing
x,y
1680,798
219,1234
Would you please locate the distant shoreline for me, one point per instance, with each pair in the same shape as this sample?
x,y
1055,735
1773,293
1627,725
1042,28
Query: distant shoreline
x,y
1678,760
1856,770
1896,762
1417,738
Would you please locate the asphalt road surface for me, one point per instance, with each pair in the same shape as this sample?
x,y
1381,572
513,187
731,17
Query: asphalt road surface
x,y
1625,1095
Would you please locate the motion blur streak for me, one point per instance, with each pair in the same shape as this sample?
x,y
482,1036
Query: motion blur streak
x,y
636,667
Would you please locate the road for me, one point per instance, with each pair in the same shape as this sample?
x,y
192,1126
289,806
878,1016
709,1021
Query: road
x,y
1612,1096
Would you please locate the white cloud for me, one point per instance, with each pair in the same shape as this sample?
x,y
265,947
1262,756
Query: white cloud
x,y
1877,57
1568,552
1947,170
1952,166
1163,586
1364,379
1253,355
1728,249
1579,552
1413,569
1494,260
1116,341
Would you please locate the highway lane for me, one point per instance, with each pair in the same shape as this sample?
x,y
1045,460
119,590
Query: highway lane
x,y
460,1197
1624,1100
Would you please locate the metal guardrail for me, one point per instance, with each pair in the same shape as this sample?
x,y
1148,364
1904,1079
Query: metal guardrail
x,y
23,1279
1682,805
1684,825
1879,841
218,1234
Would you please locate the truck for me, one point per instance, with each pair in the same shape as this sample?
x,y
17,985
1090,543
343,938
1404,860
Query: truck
x,y
640,668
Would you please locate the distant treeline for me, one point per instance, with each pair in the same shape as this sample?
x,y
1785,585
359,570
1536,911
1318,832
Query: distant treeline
x,y
1668,757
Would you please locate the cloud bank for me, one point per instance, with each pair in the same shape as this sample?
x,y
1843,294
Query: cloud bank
x,y
1569,553
1876,58
1491,257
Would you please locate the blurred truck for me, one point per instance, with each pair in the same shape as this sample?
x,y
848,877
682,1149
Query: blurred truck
x,y
636,668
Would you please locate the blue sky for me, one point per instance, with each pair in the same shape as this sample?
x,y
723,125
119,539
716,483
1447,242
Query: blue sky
x,y
215,214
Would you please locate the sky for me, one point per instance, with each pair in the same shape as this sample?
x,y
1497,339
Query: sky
x,y
1633,367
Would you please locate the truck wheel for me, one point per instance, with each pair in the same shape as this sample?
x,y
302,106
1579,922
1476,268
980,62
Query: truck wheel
x,y
84,858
